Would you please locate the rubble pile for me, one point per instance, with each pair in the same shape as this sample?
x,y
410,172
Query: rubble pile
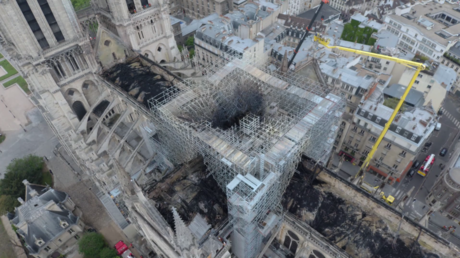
x,y
349,227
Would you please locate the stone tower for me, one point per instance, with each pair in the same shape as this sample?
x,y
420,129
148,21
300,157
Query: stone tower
x,y
47,44
142,25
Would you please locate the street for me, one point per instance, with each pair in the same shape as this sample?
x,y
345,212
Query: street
x,y
447,137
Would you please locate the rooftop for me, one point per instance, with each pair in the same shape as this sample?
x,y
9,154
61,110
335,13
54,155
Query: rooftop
x,y
335,29
430,20
327,12
414,98
455,50
219,30
412,124
42,215
445,76
192,193
137,79
366,22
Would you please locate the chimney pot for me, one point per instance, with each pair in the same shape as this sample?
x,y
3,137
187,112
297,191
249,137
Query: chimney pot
x,y
20,200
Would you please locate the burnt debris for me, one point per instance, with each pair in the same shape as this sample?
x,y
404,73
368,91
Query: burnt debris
x,y
137,80
190,192
347,226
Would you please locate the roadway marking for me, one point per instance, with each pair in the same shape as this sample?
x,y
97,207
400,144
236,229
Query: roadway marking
x,y
450,117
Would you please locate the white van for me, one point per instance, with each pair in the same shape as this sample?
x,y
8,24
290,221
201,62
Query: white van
x,y
438,126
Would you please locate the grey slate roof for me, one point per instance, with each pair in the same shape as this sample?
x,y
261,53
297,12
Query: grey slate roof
x,y
40,189
455,50
41,222
327,11
414,98
445,76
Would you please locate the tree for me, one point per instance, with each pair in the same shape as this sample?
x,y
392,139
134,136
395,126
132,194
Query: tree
x,y
29,167
91,245
7,203
108,253
192,53
190,42
78,4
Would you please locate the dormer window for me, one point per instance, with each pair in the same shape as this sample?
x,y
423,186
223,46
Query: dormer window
x,y
39,242
64,224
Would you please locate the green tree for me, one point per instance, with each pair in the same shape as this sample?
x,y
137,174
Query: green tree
x,y
29,167
91,245
79,4
190,42
108,253
7,203
192,53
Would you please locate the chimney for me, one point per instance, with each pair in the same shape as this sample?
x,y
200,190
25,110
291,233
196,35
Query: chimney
x,y
20,200
25,182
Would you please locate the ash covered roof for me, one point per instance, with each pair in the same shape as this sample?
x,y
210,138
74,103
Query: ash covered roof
x,y
191,193
347,226
137,79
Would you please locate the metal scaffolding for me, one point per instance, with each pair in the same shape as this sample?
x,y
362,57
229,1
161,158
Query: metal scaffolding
x,y
251,125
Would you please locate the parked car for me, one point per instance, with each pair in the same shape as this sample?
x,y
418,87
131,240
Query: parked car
x,y
428,144
438,126
443,152
416,164
440,112
412,172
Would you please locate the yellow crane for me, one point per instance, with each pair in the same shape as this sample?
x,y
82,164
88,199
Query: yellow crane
x,y
418,66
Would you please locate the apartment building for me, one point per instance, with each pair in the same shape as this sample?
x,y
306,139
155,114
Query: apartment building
x,y
215,41
238,33
46,222
198,9
430,29
404,139
445,194
451,59
387,44
299,6
433,83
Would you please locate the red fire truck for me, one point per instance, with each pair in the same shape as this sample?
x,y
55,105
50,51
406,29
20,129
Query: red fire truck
x,y
123,250
423,171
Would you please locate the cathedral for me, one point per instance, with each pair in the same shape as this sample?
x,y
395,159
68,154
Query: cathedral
x,y
94,74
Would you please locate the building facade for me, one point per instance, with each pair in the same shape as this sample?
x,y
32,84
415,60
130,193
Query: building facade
x,y
197,9
401,144
445,193
429,30
46,221
434,83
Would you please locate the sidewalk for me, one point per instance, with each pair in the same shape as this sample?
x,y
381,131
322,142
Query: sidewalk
x,y
81,191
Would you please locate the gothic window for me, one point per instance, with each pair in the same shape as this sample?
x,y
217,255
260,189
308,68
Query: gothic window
x,y
291,241
33,24
51,20
318,254
71,92
159,49
107,43
114,56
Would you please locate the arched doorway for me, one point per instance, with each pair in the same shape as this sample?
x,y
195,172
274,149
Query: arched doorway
x,y
79,109
99,109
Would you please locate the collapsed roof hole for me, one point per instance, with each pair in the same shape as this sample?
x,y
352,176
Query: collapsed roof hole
x,y
245,99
